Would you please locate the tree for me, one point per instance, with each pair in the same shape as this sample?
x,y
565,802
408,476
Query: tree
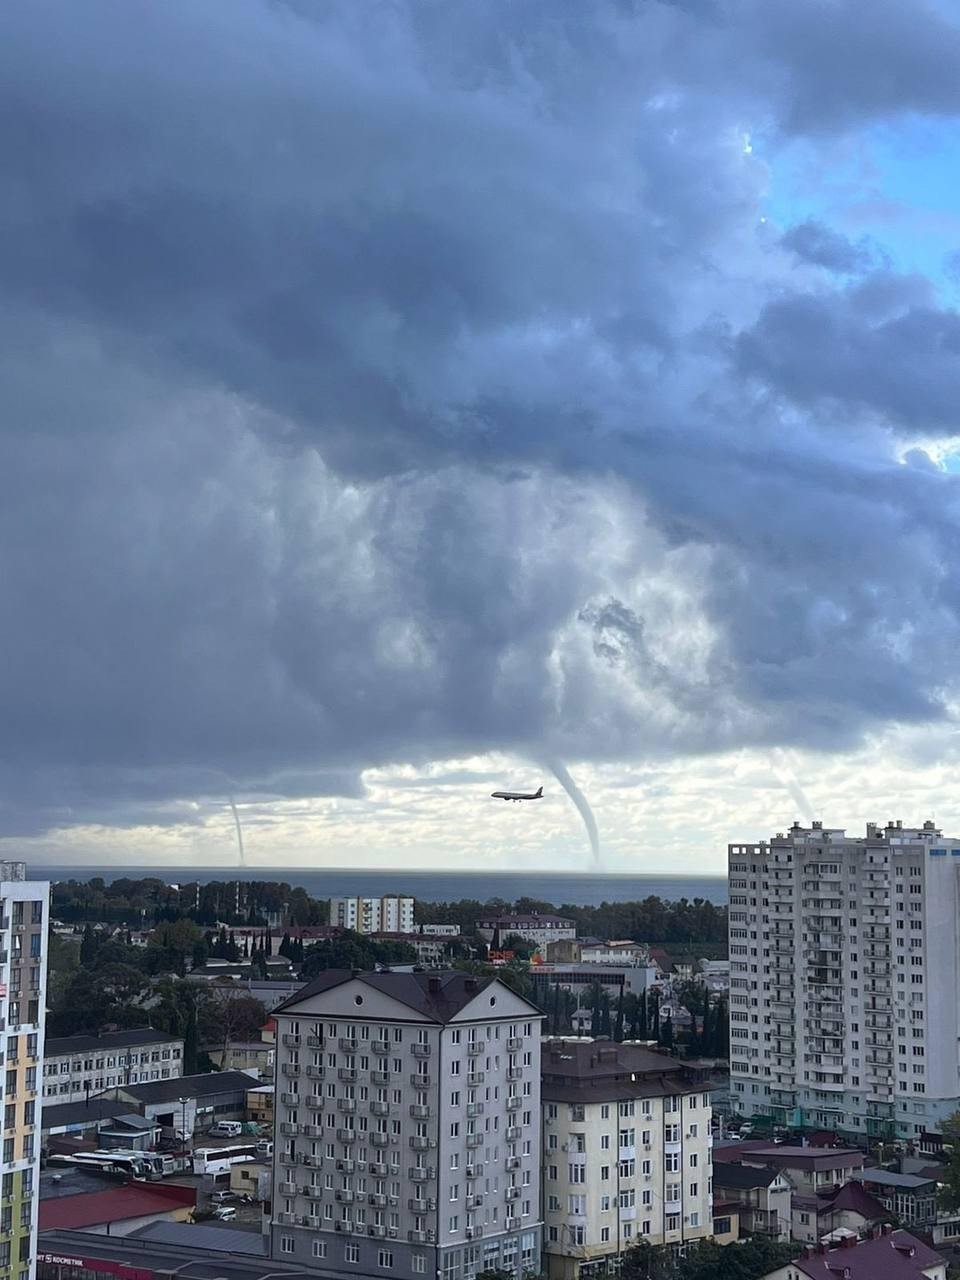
x,y
596,1014
644,1261
666,1033
747,1260
618,1028
89,946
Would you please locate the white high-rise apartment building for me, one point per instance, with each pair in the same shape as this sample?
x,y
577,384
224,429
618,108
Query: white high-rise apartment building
x,y
626,1154
24,919
845,978
407,1127
392,913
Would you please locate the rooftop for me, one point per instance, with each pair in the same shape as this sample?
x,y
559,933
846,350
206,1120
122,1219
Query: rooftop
x,y
64,1114
438,996
906,1181
198,1255
106,1040
190,1086
534,921
603,1070
895,1255
90,1208
743,1177
785,1156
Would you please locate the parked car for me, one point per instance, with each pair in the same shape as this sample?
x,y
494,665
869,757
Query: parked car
x,y
225,1212
226,1129
222,1197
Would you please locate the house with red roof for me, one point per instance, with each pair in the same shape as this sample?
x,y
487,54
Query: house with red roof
x,y
885,1255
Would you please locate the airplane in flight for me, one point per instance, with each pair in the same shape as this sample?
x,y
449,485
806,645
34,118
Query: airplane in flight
x,y
517,795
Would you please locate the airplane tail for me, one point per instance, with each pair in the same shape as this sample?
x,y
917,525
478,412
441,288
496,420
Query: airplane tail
x,y
539,795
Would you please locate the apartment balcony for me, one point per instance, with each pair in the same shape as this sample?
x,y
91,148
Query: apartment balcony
x,y
311,1162
422,1237
514,1044
421,1050
475,1046
475,1078
344,1196
314,1073
514,1073
474,1140
348,1074
473,1233
380,1047
376,1230
348,1044
422,1144
422,1174
288,1188
314,1101
380,1077
421,1081
289,1129
287,1219
378,1201
380,1108
312,1130
476,1108
512,1104
291,1040
291,1070
314,1042
513,1162
512,1193
312,1193
347,1104
513,1133
475,1201
419,1111
346,1166
346,1135
473,1170
422,1206
344,1225
290,1099
377,1169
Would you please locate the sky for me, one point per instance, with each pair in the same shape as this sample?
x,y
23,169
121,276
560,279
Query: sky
x,y
399,398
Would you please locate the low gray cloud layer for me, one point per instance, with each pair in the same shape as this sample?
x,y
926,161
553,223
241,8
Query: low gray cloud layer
x,y
392,381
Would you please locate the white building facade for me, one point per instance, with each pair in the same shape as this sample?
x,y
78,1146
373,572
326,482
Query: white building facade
x,y
24,919
408,1126
626,1154
845,994
74,1067
392,913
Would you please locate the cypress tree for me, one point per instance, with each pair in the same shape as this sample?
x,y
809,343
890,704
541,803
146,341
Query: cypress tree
x,y
618,1029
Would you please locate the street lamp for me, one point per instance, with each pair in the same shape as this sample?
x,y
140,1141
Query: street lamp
x,y
183,1126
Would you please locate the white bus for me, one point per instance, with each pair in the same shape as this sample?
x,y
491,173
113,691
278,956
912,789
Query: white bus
x,y
219,1159
115,1164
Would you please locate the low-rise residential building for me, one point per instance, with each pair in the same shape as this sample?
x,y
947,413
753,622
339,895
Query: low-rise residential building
x,y
540,930
260,1105
910,1196
431,951
392,913
844,1209
75,1067
626,1153
726,1220
886,1255
763,1195
441,930
811,1170
255,1056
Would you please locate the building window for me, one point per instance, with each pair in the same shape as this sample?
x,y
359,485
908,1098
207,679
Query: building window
x,y
385,1258
319,1248
286,1244
419,1264
351,1253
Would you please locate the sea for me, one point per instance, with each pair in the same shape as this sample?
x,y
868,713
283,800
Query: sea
x,y
573,888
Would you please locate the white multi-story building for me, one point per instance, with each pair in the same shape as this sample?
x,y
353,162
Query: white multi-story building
x,y
845,978
626,1153
74,1067
539,929
392,913
24,919
408,1126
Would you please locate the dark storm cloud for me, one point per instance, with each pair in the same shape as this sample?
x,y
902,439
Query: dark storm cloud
x,y
815,243
384,382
